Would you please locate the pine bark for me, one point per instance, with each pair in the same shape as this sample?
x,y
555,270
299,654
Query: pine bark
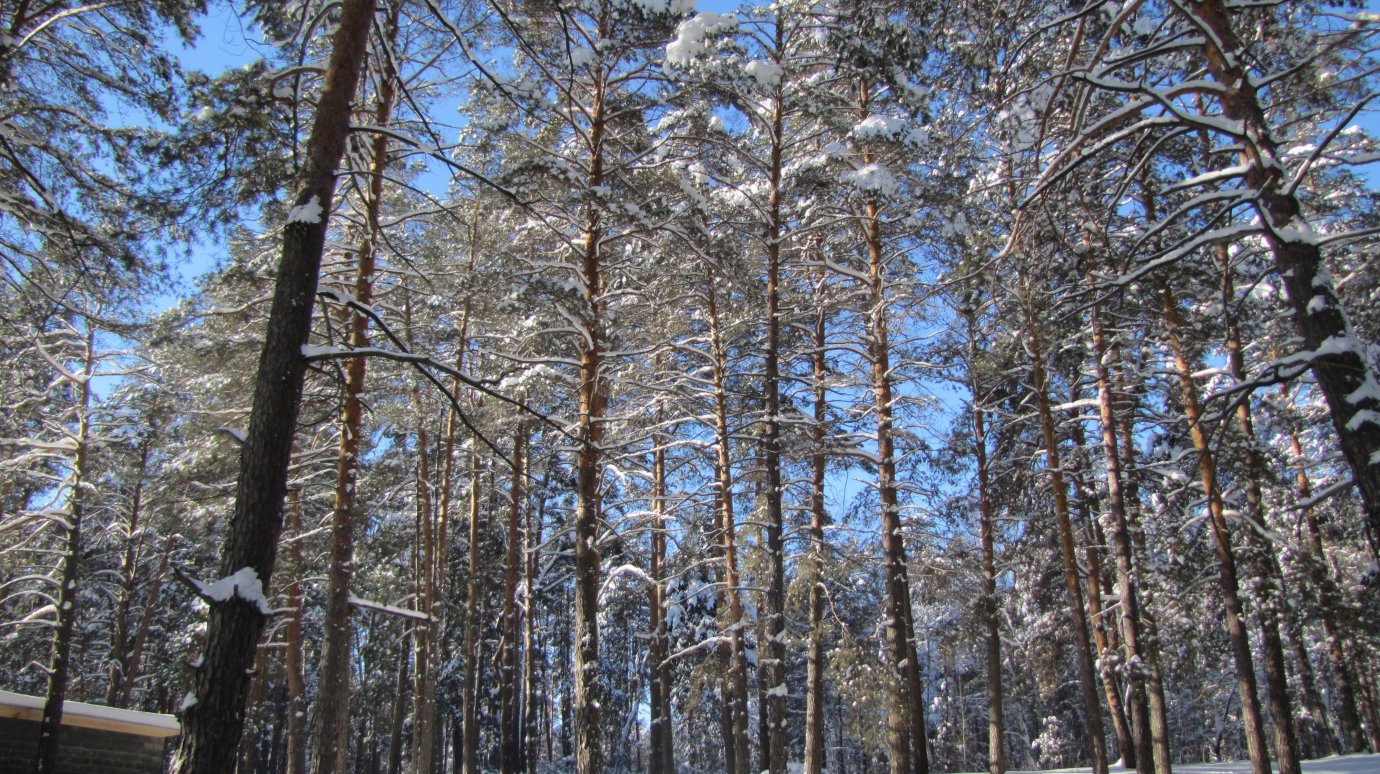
x,y
1227,573
1353,737
1270,603
771,668
1092,709
1343,372
1151,753
662,754
815,658
510,730
996,718
294,646
50,726
470,685
906,711
589,431
211,726
118,667
737,748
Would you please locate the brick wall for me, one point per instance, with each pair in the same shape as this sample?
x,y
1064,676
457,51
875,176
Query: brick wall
x,y
83,750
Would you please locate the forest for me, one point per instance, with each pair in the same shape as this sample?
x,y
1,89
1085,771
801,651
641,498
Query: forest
x,y
622,385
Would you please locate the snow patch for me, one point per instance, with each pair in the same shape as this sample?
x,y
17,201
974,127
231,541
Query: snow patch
x,y
310,212
690,35
244,583
767,74
873,177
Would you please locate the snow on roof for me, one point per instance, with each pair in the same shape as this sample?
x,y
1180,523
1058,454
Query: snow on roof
x,y
19,706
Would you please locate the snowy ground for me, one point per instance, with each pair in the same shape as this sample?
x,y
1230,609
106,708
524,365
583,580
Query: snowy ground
x,y
1342,764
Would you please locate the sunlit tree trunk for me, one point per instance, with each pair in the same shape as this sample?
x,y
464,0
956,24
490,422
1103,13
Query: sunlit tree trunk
x,y
1092,709
294,647
1270,600
771,667
987,604
1228,584
661,759
1152,752
470,686
330,753
737,752
1344,374
1353,737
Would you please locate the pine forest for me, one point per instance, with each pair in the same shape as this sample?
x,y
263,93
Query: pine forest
x,y
624,385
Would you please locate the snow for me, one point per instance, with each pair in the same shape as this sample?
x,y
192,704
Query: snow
x,y
873,177
677,7
876,127
581,56
310,212
690,35
767,74
80,714
244,583
1337,764
369,604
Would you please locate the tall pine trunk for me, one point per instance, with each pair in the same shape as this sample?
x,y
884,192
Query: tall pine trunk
x,y
118,661
510,728
987,605
470,680
736,748
1227,573
214,719
50,726
771,668
1092,709
815,659
1152,751
1270,601
1341,368
661,759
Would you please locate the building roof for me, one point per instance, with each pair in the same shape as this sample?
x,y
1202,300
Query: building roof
x,y
19,706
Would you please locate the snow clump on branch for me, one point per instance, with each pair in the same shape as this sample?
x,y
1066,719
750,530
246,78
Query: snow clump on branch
x,y
690,35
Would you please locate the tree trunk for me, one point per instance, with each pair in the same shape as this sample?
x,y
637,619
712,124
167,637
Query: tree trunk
x,y
50,727
119,635
141,634
510,730
1092,710
906,710
532,672
996,720
293,654
213,721
1261,554
1344,374
470,702
330,754
662,754
815,659
1148,752
1124,437
737,752
589,430
1226,559
1353,738
395,724
771,667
